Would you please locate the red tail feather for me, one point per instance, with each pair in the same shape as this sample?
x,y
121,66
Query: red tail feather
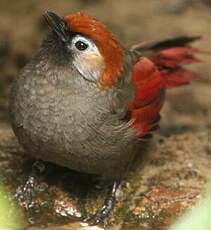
x,y
152,78
170,62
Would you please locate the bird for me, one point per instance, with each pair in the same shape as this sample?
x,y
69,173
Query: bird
x,y
87,103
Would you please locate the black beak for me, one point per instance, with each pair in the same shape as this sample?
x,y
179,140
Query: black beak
x,y
58,25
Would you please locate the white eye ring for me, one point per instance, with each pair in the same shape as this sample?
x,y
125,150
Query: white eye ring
x,y
80,43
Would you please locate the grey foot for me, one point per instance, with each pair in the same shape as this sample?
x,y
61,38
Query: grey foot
x,y
102,216
26,193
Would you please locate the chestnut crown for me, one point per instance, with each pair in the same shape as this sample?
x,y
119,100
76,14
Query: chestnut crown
x,y
98,56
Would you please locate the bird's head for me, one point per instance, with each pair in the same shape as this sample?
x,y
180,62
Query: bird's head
x,y
92,48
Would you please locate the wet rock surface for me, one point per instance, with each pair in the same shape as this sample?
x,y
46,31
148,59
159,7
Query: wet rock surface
x,y
169,179
171,173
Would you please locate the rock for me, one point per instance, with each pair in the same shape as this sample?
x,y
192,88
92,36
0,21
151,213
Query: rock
x,y
169,179
171,175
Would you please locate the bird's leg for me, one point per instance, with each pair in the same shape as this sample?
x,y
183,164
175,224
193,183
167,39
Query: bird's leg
x,y
26,193
102,216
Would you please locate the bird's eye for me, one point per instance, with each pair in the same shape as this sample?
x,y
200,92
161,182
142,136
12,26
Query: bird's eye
x,y
81,45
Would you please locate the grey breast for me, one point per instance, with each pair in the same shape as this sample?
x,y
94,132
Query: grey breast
x,y
61,119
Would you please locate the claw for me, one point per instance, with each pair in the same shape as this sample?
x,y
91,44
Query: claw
x,y
102,216
26,193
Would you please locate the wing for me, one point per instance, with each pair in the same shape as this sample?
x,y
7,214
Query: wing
x,y
149,97
153,77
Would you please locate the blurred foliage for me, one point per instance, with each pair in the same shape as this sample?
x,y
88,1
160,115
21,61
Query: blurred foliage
x,y
10,216
199,218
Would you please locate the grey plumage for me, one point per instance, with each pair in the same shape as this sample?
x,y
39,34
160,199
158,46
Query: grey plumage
x,y
61,117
